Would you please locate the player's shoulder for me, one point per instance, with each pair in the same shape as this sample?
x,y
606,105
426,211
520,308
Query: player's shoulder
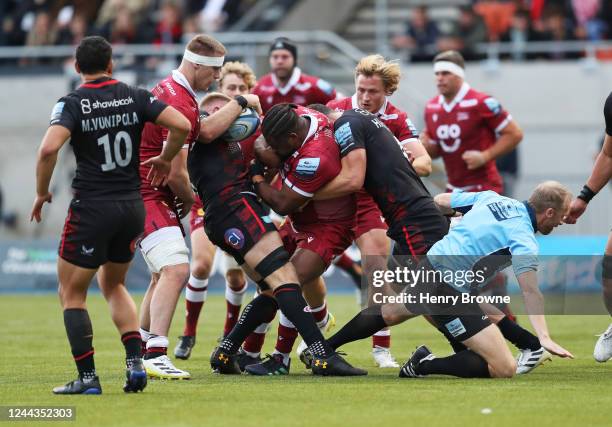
x,y
341,104
317,82
476,98
265,80
433,105
393,113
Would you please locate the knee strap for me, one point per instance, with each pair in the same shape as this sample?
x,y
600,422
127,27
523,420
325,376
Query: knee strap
x,y
275,260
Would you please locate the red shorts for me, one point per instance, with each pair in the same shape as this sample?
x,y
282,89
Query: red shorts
x,y
369,216
196,215
160,214
325,239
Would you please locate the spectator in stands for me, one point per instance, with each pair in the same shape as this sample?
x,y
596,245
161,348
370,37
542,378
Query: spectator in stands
x,y
497,15
589,26
420,36
519,33
469,30
557,28
141,10
169,30
73,33
605,15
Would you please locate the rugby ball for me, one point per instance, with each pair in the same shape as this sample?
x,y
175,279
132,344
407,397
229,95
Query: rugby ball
x,y
244,126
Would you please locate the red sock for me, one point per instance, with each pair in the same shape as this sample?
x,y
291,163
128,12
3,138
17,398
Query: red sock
x,y
382,339
287,334
195,296
255,341
344,261
319,314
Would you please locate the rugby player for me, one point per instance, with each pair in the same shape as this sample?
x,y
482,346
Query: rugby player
x,y
368,148
237,222
286,83
314,231
375,80
236,78
163,245
104,119
600,175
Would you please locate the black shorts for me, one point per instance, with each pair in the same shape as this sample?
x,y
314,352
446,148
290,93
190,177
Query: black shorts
x,y
241,224
415,236
99,231
461,319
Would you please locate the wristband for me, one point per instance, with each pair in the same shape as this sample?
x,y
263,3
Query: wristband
x,y
242,101
586,194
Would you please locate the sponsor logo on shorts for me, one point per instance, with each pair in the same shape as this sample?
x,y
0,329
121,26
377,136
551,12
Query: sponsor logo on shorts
x,y
234,238
87,251
455,327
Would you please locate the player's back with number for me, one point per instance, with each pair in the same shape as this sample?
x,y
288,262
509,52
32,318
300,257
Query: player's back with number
x,y
106,118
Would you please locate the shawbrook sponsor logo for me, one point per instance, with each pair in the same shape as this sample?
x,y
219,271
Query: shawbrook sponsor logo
x,y
112,104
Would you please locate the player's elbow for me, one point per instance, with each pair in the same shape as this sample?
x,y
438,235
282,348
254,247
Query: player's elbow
x,y
282,209
422,165
46,152
355,183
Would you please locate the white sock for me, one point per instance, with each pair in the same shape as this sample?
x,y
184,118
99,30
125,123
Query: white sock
x,y
196,289
144,334
285,322
157,341
235,297
286,356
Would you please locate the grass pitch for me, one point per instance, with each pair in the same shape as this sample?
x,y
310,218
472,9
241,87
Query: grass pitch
x,y
36,357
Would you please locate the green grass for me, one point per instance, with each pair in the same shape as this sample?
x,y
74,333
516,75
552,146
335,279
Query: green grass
x,y
35,357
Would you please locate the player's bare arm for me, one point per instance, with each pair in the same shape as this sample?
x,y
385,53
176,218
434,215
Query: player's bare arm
x,y
421,160
443,202
509,137
283,201
432,149
217,123
178,181
534,304
349,180
178,128
54,139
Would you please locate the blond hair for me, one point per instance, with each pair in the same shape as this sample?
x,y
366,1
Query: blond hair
x,y
549,194
203,44
376,65
242,70
213,96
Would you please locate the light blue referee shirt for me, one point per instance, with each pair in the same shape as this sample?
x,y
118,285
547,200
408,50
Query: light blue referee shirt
x,y
495,231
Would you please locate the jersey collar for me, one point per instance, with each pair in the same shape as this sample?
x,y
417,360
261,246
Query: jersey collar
x,y
314,124
379,113
295,77
532,216
458,98
180,78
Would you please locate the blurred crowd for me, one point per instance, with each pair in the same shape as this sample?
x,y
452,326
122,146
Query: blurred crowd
x,y
66,22
513,21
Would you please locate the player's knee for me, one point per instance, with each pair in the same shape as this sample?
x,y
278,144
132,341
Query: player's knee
x,y
235,279
176,274
505,368
394,314
201,268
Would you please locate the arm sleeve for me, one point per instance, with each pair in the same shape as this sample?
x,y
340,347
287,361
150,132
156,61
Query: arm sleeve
x,y
524,249
463,201
192,116
493,114
65,113
406,129
311,172
608,114
349,135
325,91
151,106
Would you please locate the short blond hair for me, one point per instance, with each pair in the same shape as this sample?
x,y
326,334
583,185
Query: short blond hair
x,y
242,70
376,65
203,44
550,194
213,96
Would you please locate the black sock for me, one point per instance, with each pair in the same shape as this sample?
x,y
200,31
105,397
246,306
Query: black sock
x,y
133,347
367,322
456,345
520,337
254,314
80,336
292,304
465,364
